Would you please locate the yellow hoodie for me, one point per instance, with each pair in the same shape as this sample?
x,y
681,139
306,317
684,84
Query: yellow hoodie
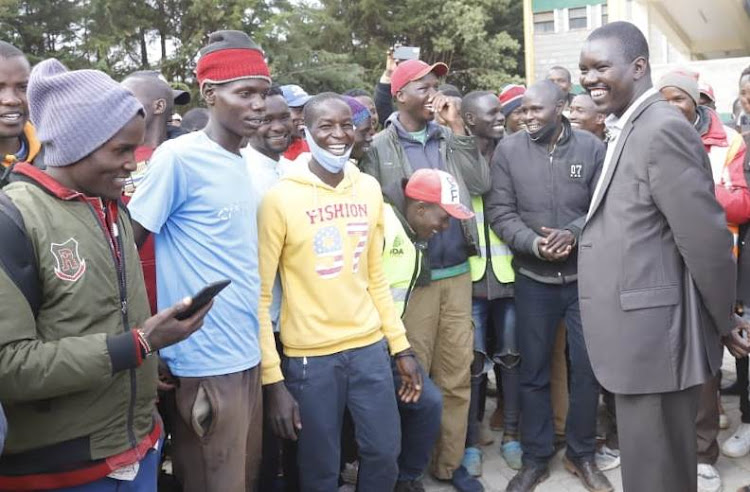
x,y
327,244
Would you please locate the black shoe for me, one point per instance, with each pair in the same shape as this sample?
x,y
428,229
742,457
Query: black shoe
x,y
591,476
528,478
409,486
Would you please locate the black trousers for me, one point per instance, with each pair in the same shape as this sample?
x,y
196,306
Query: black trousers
x,y
657,441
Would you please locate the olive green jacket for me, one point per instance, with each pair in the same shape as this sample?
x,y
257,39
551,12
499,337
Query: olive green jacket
x,y
73,377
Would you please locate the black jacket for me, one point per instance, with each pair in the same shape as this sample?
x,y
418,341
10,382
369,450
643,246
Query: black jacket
x,y
533,188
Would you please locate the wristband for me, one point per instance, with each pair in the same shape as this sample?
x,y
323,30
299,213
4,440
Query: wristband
x,y
145,346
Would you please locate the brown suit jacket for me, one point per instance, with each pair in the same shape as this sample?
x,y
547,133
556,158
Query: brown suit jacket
x,y
656,273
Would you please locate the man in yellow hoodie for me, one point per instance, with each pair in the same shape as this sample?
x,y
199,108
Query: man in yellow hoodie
x,y
321,227
18,142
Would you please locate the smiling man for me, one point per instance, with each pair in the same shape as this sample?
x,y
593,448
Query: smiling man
x,y
321,228
18,142
542,182
198,201
657,278
584,115
412,141
77,375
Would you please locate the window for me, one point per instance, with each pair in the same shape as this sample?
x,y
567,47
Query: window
x,y
544,21
577,18
605,16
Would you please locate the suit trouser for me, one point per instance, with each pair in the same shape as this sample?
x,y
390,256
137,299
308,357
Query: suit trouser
x,y
742,380
217,438
657,441
438,325
540,308
361,380
707,422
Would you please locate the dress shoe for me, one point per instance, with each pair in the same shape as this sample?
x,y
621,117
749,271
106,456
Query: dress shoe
x,y
528,478
591,476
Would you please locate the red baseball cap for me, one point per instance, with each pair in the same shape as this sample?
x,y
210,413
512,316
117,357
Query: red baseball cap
x,y
440,188
411,70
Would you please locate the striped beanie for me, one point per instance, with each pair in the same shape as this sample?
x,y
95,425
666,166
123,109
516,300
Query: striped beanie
x,y
230,56
510,98
76,112
359,112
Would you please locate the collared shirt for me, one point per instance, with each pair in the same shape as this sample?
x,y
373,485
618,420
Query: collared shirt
x,y
614,128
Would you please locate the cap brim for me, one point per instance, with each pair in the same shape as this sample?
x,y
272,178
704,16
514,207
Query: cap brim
x,y
298,102
439,69
458,211
180,97
708,95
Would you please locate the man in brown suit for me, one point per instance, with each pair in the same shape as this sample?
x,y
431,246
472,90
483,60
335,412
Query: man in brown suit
x,y
656,274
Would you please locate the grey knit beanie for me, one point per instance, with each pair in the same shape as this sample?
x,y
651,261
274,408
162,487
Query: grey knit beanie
x,y
76,112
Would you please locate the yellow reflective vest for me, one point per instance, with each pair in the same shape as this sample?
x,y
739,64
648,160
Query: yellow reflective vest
x,y
401,259
498,250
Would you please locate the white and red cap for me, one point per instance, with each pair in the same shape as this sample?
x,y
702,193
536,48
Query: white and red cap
x,y
705,88
440,188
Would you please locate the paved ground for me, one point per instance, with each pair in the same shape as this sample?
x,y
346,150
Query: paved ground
x,y
734,472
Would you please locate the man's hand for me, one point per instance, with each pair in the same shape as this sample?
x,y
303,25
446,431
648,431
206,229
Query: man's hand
x,y
556,244
283,411
167,381
738,340
163,329
390,65
411,379
447,111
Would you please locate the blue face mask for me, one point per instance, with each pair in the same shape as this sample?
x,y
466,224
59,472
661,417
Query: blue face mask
x,y
330,162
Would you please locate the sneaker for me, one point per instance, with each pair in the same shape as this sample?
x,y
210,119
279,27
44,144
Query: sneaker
x,y
607,458
463,482
708,479
512,454
350,472
473,461
738,445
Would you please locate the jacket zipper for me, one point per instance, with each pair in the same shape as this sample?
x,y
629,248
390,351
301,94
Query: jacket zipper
x,y
120,267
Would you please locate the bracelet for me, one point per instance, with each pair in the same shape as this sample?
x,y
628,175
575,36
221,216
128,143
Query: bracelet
x,y
404,353
145,346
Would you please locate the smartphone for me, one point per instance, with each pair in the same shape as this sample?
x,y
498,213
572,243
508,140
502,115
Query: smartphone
x,y
406,53
203,297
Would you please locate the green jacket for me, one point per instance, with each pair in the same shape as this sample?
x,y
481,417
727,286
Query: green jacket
x,y
387,162
73,377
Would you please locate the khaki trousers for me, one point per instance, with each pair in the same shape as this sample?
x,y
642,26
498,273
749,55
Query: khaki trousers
x,y
438,325
558,381
218,433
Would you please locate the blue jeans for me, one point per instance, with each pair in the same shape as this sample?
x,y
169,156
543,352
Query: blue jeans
x,y
361,380
420,427
502,313
540,308
145,480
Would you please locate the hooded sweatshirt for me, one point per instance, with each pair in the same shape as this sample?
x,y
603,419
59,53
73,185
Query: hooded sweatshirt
x,y
327,245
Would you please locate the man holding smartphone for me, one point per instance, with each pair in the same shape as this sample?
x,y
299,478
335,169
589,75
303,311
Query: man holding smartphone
x,y
197,199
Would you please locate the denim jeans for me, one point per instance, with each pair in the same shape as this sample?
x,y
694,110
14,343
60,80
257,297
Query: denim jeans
x,y
420,427
540,308
145,480
361,380
499,316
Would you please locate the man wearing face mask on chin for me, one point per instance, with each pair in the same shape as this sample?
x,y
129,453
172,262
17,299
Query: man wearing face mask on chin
x,y
542,182
321,227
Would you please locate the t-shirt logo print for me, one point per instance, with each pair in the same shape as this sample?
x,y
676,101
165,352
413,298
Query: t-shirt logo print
x,y
69,265
329,252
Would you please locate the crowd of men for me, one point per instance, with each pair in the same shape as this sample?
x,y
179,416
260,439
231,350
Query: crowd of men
x,y
386,252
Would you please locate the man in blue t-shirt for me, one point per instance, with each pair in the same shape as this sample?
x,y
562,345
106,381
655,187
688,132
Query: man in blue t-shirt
x,y
197,199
